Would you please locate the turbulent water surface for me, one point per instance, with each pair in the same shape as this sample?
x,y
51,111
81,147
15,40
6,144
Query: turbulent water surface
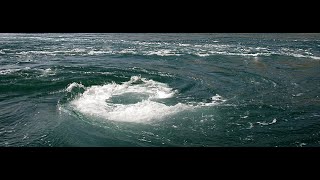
x,y
159,90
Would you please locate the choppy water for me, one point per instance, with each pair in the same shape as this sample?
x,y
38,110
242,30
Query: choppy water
x,y
159,89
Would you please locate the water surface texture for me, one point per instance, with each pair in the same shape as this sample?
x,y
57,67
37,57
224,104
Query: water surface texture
x,y
160,90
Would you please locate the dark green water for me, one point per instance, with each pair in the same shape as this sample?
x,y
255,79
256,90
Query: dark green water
x,y
159,90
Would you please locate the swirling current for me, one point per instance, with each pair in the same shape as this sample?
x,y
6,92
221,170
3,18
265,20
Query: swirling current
x,y
111,90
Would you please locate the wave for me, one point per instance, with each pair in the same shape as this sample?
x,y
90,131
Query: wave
x,y
266,123
54,53
215,100
301,55
84,46
94,52
158,73
27,71
162,52
123,47
73,85
8,71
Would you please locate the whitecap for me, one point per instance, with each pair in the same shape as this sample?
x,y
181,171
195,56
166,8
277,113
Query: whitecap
x,y
73,85
93,52
162,52
214,100
47,72
266,123
8,71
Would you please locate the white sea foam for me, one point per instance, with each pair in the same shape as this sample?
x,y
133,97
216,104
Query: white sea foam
x,y
128,51
299,53
302,56
202,55
8,71
143,111
53,53
215,100
56,92
112,101
78,50
73,85
97,100
184,45
177,49
47,72
251,125
266,123
163,74
93,52
162,52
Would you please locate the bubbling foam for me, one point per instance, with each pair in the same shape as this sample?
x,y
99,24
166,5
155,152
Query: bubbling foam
x,y
131,101
99,100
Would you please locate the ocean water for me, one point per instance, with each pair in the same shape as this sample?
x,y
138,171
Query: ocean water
x,y
152,90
